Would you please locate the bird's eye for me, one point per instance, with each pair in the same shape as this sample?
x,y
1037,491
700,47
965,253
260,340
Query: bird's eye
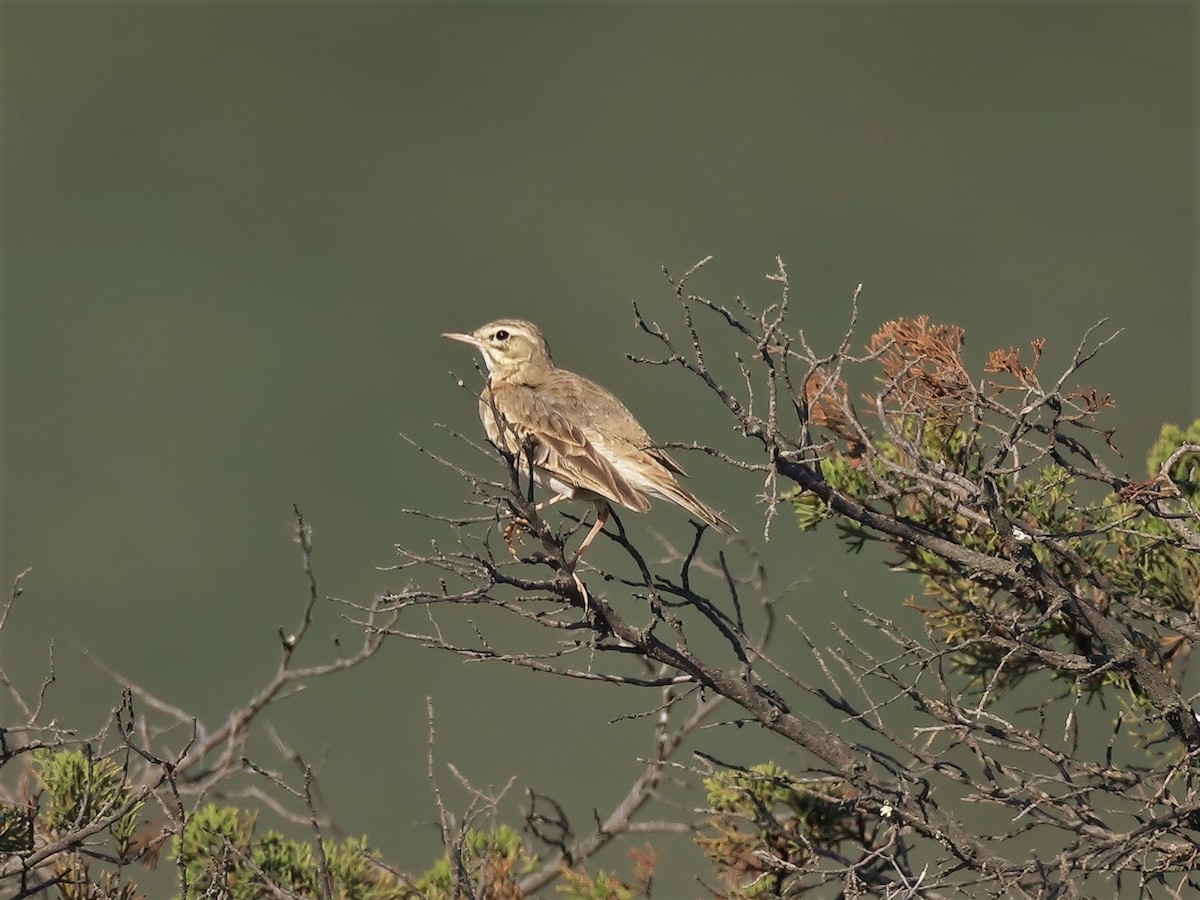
x,y
502,335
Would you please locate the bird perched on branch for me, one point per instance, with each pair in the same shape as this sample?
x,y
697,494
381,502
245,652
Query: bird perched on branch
x,y
581,440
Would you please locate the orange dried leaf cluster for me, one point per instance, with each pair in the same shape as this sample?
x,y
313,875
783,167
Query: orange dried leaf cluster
x,y
1090,400
1009,361
829,407
826,398
645,863
1157,488
581,883
923,369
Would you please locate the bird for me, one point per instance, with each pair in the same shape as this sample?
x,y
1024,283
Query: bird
x,y
580,440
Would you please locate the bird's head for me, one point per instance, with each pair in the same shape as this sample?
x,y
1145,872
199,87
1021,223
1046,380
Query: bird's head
x,y
508,346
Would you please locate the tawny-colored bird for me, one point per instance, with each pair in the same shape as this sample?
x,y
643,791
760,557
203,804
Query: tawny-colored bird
x,y
582,441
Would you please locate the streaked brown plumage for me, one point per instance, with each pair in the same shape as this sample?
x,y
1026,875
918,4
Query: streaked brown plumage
x,y
584,443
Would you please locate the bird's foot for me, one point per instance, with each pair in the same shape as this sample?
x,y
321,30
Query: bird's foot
x,y
582,590
579,585
512,531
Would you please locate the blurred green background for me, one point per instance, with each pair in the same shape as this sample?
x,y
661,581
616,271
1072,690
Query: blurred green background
x,y
232,234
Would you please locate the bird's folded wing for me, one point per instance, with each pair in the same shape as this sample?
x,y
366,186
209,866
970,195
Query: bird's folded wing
x,y
527,420
664,459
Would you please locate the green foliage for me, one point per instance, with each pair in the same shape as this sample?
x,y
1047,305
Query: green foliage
x,y
1185,473
765,824
493,858
213,842
222,857
357,876
1111,537
810,511
601,886
16,828
79,790
286,864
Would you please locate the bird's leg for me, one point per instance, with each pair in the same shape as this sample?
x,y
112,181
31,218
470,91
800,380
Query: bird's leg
x,y
602,512
555,499
601,518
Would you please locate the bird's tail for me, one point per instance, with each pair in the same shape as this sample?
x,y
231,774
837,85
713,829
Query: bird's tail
x,y
676,493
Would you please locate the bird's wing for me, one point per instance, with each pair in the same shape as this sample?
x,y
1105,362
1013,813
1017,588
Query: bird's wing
x,y
648,469
622,432
664,459
529,420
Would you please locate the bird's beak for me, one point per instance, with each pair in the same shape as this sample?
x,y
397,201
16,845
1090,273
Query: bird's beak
x,y
463,338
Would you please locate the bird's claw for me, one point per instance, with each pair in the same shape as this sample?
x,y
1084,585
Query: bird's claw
x,y
512,531
582,590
